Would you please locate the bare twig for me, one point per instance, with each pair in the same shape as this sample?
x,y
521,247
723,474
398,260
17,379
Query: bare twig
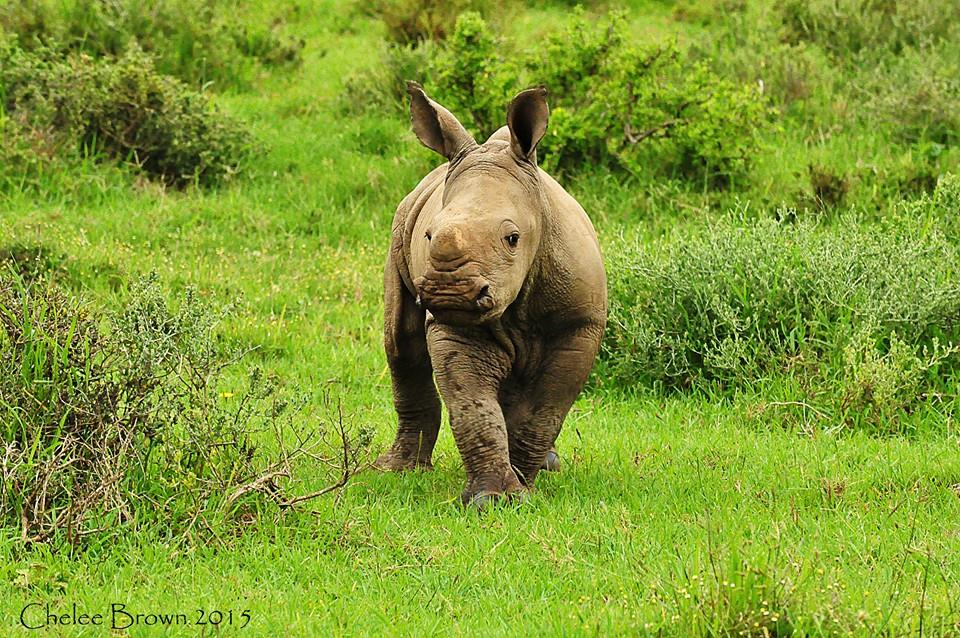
x,y
263,483
636,138
349,465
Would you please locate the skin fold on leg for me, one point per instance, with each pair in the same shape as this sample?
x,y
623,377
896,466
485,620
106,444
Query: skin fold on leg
x,y
469,371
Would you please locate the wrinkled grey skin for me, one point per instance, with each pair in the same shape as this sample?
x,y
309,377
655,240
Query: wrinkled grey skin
x,y
495,285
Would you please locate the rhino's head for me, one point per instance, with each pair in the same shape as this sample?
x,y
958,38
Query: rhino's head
x,y
481,244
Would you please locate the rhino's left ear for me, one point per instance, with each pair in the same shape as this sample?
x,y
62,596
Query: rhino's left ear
x,y
527,119
435,126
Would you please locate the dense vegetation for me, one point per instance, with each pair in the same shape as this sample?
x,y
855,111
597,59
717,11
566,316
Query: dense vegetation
x,y
865,318
60,111
194,204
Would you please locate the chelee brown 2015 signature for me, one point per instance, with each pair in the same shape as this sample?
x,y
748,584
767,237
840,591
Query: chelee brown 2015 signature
x,y
118,616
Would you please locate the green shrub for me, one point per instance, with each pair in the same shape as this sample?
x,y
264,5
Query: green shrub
x,y
24,155
123,109
918,93
197,42
646,107
472,76
637,110
127,420
865,88
738,301
875,385
787,73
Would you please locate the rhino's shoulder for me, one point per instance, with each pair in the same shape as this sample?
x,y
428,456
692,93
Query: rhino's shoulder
x,y
568,211
574,272
411,205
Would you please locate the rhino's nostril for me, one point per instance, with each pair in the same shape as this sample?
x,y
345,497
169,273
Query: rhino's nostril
x,y
484,300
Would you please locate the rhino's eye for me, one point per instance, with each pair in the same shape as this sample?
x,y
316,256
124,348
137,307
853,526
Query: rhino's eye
x,y
428,235
513,239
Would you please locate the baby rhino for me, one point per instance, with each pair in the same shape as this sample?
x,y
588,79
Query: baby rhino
x,y
495,285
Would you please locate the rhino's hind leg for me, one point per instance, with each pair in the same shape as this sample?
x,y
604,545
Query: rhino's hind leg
x,y
518,408
534,418
414,393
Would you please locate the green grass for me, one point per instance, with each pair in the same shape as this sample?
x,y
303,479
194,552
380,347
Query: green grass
x,y
658,500
676,514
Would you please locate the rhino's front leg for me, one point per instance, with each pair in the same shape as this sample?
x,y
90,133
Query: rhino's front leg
x,y
470,367
535,416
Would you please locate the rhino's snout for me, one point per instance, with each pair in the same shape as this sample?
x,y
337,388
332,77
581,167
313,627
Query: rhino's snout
x,y
457,290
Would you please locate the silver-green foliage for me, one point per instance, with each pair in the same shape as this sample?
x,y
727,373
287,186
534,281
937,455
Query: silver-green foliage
x,y
198,42
115,421
873,308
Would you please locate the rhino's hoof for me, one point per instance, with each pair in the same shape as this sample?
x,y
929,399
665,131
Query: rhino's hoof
x,y
485,500
390,461
552,462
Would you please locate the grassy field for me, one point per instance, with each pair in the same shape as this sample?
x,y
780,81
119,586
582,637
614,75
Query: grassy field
x,y
691,512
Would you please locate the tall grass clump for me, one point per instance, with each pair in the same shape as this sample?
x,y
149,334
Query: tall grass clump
x,y
872,311
58,109
734,598
201,43
852,29
128,421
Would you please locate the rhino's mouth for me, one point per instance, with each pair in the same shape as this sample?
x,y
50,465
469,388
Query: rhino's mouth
x,y
442,292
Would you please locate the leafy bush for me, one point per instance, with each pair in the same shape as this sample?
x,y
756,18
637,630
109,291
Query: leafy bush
x,y
874,385
199,43
123,109
24,154
642,107
472,75
638,110
128,421
737,301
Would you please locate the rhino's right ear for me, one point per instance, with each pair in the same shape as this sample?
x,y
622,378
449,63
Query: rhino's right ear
x,y
527,118
435,126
